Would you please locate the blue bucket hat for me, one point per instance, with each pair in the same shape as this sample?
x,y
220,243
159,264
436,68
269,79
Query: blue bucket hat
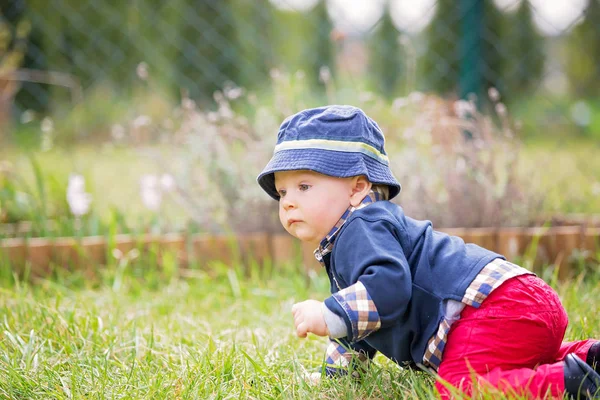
x,y
340,141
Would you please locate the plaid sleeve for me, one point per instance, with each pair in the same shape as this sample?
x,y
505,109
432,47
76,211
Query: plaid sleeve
x,y
360,309
339,357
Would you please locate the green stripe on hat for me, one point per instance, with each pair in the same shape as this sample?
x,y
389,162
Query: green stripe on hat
x,y
334,145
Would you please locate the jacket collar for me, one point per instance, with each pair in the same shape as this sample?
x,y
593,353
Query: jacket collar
x,y
326,244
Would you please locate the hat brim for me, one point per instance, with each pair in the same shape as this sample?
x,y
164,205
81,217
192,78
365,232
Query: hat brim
x,y
327,162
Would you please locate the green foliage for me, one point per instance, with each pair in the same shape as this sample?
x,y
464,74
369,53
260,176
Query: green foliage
x,y
493,41
507,58
214,157
301,43
36,202
20,43
190,334
14,31
387,59
524,55
207,55
441,65
583,54
15,205
254,41
319,49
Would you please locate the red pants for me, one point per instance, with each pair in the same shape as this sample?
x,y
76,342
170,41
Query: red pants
x,y
512,343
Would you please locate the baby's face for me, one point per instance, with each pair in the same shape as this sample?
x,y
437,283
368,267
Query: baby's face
x,y
311,203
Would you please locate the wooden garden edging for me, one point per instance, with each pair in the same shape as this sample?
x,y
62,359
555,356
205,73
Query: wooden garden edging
x,y
555,245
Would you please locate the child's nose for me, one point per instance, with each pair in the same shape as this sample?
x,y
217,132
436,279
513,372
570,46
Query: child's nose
x,y
287,203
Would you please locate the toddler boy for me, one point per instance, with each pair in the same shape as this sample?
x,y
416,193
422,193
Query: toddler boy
x,y
418,296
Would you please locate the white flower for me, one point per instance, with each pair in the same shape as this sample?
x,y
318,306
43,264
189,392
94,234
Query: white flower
x,y
501,109
142,71
150,192
324,74
494,94
47,142
167,182
225,111
364,97
463,108
275,74
188,104
218,96
233,92
461,165
416,97
581,113
79,201
117,132
47,125
141,121
399,103
27,116
212,117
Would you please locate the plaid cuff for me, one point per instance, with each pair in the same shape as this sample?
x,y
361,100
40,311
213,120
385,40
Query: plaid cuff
x,y
360,309
435,346
338,359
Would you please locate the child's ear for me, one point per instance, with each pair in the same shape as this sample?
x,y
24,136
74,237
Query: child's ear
x,y
360,189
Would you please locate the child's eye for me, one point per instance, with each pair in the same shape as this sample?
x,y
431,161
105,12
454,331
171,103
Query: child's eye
x,y
281,192
303,187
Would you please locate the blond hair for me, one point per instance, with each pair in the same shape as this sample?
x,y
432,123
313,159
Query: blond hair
x,y
383,190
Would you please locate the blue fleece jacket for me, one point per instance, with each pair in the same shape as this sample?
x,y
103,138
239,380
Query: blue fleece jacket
x,y
408,271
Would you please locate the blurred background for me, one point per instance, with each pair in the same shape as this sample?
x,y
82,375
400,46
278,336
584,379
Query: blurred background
x,y
142,115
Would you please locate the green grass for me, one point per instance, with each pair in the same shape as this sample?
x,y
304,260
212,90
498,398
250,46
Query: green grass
x,y
217,333
568,171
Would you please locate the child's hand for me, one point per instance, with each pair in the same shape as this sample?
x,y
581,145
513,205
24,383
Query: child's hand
x,y
308,317
313,378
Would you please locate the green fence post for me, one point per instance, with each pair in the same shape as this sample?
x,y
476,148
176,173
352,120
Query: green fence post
x,y
471,12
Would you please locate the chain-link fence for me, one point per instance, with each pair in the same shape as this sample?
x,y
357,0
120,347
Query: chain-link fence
x,y
542,56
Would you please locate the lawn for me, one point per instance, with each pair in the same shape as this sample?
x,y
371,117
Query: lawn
x,y
134,330
217,332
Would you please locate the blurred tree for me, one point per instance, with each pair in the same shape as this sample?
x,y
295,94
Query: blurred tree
x,y
255,19
152,29
296,42
440,65
207,51
524,56
493,46
87,41
19,43
583,54
387,66
319,48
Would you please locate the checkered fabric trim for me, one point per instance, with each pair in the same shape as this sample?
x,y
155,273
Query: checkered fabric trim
x,y
435,347
490,277
360,309
326,244
338,358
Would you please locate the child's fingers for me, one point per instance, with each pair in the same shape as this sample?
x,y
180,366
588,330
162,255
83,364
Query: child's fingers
x,y
312,378
296,308
297,319
301,329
